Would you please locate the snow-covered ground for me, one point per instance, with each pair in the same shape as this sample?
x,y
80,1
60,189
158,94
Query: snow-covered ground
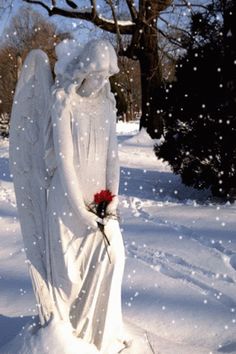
x,y
180,278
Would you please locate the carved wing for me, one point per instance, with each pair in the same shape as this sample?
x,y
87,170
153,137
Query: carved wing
x,y
30,119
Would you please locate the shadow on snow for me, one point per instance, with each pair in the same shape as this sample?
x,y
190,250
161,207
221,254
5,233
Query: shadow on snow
x,y
10,327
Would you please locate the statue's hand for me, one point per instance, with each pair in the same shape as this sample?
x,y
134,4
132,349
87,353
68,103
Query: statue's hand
x,y
60,94
112,206
90,219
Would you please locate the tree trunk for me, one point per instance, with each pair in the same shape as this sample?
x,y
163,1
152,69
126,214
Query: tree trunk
x,y
151,73
143,47
151,79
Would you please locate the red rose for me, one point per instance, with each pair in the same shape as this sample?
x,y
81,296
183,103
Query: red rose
x,y
100,203
104,196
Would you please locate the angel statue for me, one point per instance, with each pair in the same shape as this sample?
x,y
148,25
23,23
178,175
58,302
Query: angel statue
x,y
63,151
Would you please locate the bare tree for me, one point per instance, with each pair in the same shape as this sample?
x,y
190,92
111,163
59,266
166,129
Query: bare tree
x,y
27,30
142,21
8,78
141,26
129,84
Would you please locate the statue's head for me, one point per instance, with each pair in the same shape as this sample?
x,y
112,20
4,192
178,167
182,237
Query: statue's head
x,y
87,67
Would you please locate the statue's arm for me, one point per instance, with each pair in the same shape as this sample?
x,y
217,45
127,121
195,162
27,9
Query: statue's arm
x,y
63,143
113,164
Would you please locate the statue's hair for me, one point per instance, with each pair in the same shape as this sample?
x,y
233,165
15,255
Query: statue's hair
x,y
96,56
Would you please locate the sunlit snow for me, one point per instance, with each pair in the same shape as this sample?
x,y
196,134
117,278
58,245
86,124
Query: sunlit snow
x,y
179,284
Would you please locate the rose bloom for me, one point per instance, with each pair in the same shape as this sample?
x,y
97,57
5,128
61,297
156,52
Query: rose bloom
x,y
103,196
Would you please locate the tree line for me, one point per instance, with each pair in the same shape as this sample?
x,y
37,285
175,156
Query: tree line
x,y
29,30
141,29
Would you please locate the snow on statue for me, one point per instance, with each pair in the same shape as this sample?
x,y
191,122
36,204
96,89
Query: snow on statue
x,y
63,150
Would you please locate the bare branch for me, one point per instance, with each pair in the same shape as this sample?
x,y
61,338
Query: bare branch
x,y
142,9
103,23
5,10
119,39
176,27
132,9
190,5
170,39
71,4
166,54
93,8
47,8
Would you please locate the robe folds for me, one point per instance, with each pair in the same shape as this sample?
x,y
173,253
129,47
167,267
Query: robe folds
x,y
84,285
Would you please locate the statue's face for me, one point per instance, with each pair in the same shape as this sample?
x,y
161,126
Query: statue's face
x,y
93,83
96,80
